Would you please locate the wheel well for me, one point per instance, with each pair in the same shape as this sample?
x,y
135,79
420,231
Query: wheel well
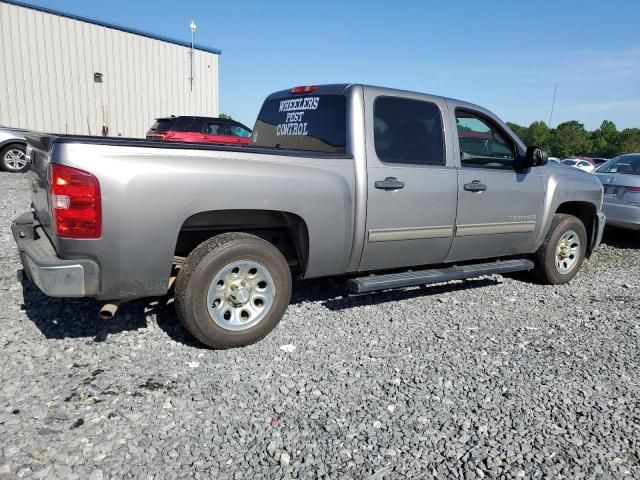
x,y
287,231
11,143
585,212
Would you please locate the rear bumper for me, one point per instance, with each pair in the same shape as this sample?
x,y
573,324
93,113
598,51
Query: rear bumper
x,y
56,277
622,216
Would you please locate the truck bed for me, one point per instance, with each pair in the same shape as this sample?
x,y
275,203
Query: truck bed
x,y
152,191
44,141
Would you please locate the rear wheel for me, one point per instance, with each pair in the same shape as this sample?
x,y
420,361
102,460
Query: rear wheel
x,y
562,253
233,290
14,159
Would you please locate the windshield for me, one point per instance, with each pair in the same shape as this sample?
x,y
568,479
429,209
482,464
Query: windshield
x,y
570,162
627,164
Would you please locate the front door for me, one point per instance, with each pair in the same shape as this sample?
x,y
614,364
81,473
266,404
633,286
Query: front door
x,y
411,183
498,207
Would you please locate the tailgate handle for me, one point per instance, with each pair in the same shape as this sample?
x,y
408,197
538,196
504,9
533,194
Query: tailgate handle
x,y
475,186
389,183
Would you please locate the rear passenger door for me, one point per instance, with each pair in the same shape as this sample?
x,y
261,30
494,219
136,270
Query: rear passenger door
x,y
411,182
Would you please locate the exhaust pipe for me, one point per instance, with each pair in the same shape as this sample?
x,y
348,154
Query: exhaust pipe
x,y
108,310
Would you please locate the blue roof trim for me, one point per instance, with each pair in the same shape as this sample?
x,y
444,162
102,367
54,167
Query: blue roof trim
x,y
114,26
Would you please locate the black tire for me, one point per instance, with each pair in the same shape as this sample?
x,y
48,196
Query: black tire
x,y
545,258
200,269
7,164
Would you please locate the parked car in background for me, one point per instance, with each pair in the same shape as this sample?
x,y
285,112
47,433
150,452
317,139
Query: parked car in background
x,y
13,146
554,161
199,130
621,181
600,161
578,163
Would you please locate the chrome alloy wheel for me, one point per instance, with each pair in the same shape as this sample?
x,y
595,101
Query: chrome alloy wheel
x,y
240,295
567,252
15,159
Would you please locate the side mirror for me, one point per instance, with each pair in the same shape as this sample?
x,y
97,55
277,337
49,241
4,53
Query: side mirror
x,y
535,157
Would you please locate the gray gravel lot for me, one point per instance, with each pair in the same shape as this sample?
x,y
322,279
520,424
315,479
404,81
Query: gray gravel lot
x,y
494,377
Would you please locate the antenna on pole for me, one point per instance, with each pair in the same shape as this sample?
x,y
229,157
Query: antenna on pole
x,y
193,27
553,103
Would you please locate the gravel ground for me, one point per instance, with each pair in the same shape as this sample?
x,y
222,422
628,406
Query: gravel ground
x,y
494,377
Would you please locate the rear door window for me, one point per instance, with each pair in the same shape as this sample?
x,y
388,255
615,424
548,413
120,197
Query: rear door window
x,y
316,123
408,131
186,124
216,128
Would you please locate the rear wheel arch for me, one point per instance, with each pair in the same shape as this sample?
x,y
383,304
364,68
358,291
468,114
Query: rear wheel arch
x,y
286,230
13,142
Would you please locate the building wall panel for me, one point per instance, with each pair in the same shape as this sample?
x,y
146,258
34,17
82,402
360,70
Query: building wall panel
x,y
47,83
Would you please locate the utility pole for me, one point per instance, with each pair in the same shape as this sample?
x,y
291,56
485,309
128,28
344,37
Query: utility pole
x,y
553,103
192,26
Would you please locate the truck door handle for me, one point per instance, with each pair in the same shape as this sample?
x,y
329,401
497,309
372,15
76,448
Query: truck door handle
x,y
389,183
475,186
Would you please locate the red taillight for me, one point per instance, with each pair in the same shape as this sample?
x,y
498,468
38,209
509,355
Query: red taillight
x,y
633,189
304,89
75,203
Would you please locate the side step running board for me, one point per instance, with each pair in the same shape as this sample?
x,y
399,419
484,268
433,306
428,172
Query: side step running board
x,y
374,283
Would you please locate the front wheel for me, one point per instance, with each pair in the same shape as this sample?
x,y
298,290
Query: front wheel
x,y
562,253
232,290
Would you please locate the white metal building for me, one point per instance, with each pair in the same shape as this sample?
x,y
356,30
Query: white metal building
x,y
61,73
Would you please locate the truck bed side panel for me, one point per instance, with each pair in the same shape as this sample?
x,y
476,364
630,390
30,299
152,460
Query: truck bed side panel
x,y
148,193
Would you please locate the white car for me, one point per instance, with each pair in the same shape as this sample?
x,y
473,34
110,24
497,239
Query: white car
x,y
13,146
579,164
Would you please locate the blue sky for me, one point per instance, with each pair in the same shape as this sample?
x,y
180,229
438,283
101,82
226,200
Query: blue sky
x,y
504,55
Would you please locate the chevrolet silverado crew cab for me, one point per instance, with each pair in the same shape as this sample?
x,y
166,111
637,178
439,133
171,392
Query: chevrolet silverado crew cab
x,y
386,188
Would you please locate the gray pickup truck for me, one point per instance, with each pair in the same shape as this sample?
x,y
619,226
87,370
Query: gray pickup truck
x,y
339,180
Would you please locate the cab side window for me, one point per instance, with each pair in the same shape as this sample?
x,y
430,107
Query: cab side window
x,y
408,131
481,144
213,128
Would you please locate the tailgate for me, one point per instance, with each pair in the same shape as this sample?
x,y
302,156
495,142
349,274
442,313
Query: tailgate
x,y
39,149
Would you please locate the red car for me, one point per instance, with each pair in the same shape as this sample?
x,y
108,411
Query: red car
x,y
199,130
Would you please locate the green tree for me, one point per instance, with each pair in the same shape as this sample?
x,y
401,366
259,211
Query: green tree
x,y
225,116
519,130
538,134
628,141
570,138
604,140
